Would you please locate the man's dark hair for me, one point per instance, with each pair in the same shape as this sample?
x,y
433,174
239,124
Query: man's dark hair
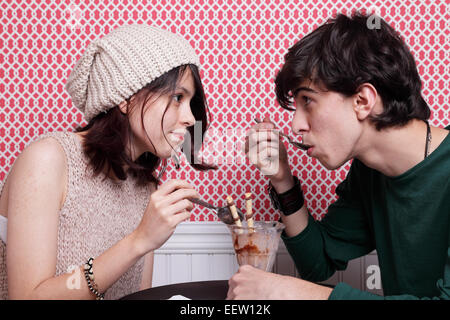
x,y
344,53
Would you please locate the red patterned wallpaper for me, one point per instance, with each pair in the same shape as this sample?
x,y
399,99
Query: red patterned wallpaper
x,y
241,46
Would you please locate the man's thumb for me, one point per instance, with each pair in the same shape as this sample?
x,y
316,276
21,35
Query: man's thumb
x,y
267,120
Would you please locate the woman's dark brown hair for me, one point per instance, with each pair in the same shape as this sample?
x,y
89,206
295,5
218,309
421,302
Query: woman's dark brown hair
x,y
108,133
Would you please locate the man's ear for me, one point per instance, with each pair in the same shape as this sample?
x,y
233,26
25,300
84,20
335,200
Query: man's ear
x,y
365,101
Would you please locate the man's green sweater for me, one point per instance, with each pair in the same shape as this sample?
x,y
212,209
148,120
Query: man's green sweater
x,y
405,218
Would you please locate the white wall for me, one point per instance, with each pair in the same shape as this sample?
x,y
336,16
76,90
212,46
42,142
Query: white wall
x,y
200,251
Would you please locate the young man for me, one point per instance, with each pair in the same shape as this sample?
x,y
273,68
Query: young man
x,y
357,95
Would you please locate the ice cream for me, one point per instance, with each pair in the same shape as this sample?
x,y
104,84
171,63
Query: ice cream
x,y
256,246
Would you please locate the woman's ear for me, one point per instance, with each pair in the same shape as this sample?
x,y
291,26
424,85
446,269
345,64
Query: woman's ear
x,y
365,101
123,106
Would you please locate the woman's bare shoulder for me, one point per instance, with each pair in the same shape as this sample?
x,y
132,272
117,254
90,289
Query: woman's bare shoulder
x,y
42,164
45,152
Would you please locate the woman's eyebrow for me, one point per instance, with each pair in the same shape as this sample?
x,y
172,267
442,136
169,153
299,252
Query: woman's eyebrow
x,y
186,91
297,90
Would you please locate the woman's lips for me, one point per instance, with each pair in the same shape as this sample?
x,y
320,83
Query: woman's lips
x,y
177,137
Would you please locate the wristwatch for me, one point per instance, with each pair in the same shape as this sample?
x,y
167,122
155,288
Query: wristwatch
x,y
287,202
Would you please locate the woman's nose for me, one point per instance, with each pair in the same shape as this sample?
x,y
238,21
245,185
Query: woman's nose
x,y
186,116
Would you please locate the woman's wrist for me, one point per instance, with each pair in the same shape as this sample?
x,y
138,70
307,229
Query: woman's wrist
x,y
140,246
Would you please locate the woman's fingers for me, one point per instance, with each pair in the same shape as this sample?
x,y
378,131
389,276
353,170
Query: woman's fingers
x,y
180,206
179,195
173,191
180,217
173,185
179,212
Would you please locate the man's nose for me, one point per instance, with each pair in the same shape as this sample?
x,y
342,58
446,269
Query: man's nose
x,y
299,122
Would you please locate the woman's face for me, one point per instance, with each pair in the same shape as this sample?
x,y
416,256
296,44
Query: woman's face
x,y
166,118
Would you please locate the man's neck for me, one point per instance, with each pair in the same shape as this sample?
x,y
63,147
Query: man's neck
x,y
394,151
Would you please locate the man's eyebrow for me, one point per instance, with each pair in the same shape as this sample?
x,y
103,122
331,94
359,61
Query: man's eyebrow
x,y
297,90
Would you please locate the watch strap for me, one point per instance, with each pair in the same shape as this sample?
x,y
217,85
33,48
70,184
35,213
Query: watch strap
x,y
287,202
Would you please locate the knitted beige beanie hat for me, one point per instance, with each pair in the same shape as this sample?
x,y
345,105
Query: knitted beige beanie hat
x,y
115,67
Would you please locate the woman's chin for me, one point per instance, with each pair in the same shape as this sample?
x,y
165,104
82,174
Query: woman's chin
x,y
164,155
169,154
166,152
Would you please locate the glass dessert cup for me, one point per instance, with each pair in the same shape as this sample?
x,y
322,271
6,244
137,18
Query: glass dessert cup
x,y
256,246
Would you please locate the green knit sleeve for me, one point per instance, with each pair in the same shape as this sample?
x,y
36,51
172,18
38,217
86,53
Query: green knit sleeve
x,y
343,291
343,234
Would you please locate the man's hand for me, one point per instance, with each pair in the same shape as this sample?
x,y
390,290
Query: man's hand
x,y
266,151
250,283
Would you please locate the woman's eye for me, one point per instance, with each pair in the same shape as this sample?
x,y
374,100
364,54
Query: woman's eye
x,y
177,97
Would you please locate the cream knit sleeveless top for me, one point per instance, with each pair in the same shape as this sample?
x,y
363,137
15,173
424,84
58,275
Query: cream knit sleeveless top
x,y
96,214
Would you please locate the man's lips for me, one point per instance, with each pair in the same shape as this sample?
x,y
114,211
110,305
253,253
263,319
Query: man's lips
x,y
308,147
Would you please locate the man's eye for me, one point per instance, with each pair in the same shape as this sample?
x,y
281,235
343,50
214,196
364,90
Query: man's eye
x,y
306,100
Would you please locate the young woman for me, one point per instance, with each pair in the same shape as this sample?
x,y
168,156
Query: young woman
x,y
83,210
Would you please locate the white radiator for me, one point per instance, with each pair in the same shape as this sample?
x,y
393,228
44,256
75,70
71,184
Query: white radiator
x,y
200,251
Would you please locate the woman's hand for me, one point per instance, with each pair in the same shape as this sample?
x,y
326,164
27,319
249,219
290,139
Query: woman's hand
x,y
168,206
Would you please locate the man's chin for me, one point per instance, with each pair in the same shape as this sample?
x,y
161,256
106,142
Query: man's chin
x,y
331,165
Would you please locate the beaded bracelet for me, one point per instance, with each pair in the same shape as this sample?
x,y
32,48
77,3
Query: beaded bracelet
x,y
89,275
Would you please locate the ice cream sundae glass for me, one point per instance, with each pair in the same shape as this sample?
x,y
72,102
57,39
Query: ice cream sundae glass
x,y
255,242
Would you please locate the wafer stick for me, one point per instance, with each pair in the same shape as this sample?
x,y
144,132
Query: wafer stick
x,y
248,207
233,210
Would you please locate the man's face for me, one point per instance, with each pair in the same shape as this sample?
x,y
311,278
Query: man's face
x,y
327,122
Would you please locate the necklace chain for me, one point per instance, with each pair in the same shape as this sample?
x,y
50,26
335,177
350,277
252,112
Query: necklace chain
x,y
428,140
